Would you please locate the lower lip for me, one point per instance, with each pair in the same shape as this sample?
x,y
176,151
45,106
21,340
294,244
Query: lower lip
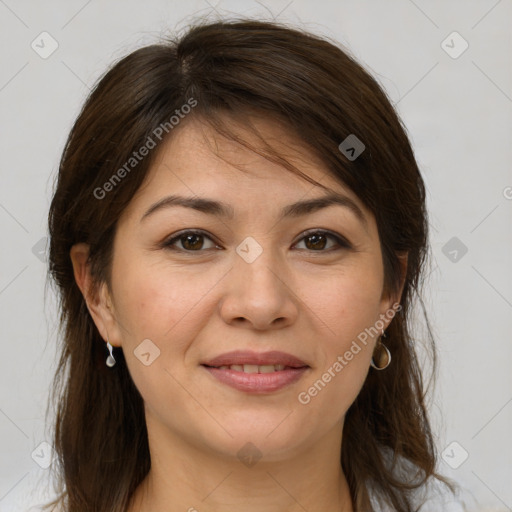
x,y
257,382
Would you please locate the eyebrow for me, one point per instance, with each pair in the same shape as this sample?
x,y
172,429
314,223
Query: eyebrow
x,y
220,209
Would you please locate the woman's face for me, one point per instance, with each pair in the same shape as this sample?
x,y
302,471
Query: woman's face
x,y
249,280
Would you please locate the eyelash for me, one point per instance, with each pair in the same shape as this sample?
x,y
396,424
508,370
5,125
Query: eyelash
x,y
342,243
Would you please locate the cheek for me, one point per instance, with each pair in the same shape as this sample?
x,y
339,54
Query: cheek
x,y
345,302
348,305
335,386
156,301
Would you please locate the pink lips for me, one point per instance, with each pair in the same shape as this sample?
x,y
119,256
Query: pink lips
x,y
293,369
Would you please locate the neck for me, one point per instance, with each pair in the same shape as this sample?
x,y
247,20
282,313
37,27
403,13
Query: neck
x,y
184,477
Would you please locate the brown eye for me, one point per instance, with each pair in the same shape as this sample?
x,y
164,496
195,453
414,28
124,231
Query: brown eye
x,y
194,241
191,241
318,240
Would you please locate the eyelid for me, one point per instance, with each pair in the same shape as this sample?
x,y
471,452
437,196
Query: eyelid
x,y
341,240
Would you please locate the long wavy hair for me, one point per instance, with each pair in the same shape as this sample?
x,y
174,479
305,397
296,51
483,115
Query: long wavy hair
x,y
230,68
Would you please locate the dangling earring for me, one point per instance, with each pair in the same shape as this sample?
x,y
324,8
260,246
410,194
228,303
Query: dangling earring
x,y
110,359
382,357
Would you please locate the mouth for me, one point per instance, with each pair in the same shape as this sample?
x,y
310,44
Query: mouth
x,y
246,358
253,368
256,373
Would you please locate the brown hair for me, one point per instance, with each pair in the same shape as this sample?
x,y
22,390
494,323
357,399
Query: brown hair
x,y
323,95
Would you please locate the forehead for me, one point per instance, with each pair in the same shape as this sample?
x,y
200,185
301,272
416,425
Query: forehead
x,y
198,161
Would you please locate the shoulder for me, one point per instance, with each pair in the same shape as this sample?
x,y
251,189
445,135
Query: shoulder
x,y
432,496
435,496
425,500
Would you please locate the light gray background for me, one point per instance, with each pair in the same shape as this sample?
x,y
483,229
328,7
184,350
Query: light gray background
x,y
458,112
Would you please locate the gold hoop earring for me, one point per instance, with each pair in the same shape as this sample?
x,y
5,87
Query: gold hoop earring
x,y
381,355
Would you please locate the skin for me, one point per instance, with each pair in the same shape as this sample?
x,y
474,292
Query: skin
x,y
305,299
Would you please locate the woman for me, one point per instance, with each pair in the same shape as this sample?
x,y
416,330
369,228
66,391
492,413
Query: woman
x,y
236,336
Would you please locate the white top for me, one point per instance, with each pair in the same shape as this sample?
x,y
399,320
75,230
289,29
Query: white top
x,y
434,496
430,498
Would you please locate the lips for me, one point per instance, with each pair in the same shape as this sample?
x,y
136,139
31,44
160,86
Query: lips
x,y
253,372
250,359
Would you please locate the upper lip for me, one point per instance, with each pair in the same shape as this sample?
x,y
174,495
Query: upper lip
x,y
242,357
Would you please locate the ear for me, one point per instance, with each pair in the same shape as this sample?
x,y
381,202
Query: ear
x,y
388,300
98,299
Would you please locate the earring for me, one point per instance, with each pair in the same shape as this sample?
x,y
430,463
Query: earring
x,y
110,359
381,360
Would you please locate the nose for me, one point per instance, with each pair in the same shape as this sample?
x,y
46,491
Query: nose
x,y
258,295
